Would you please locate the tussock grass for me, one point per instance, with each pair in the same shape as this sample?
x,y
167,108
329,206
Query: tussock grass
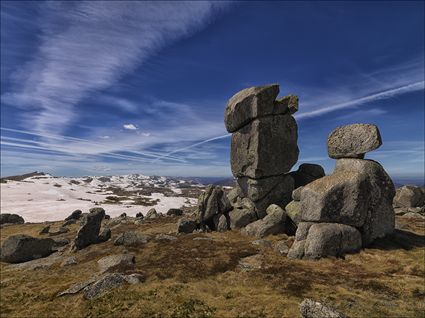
x,y
189,278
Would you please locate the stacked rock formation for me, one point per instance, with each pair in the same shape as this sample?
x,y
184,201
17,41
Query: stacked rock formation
x,y
263,149
349,209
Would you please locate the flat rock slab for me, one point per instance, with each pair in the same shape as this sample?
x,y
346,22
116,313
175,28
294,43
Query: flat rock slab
x,y
353,141
314,309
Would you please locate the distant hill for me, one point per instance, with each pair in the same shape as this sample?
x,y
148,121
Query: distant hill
x,y
22,176
228,182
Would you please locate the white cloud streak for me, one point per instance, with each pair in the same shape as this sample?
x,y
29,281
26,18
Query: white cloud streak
x,y
129,127
87,46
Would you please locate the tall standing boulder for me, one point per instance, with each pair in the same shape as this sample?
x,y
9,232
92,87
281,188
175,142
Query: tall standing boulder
x,y
264,145
89,231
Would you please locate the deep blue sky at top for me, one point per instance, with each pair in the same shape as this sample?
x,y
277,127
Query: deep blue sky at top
x,y
140,87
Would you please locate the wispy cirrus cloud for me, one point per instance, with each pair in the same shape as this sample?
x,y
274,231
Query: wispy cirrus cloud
x,y
87,46
129,127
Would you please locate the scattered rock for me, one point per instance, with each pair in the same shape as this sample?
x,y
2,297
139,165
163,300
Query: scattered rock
x,y
69,261
123,215
116,262
44,230
76,215
58,231
134,278
409,196
60,242
104,285
251,262
313,309
353,141
21,248
152,214
104,235
241,217
306,173
165,237
223,223
212,203
89,231
69,222
7,218
174,212
413,215
131,238
139,215
281,247
272,223
77,287
186,226
262,243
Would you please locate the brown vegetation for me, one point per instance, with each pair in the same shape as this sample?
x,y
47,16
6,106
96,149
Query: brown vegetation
x,y
201,278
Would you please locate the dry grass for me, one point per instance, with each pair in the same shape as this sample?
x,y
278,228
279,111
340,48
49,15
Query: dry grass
x,y
201,278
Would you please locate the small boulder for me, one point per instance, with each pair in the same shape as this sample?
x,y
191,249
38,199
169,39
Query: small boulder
x,y
69,222
241,217
164,237
139,215
21,248
313,309
353,141
152,214
281,247
223,223
409,196
272,223
174,212
69,261
7,218
186,226
131,238
116,262
104,235
58,231
211,203
59,242
74,215
45,230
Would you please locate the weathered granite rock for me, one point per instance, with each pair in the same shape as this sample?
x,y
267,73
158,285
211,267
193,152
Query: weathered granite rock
x,y
186,226
342,197
296,194
74,215
104,284
409,196
21,248
272,223
131,238
281,247
104,235
306,173
58,231
152,214
7,218
290,102
211,203
174,212
293,211
252,103
353,141
116,262
266,191
240,217
319,240
380,216
265,147
223,223
313,309
89,231
234,194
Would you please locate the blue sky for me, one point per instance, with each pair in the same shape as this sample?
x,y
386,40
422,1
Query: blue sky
x,y
138,87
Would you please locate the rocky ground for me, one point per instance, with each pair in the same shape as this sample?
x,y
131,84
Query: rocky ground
x,y
211,275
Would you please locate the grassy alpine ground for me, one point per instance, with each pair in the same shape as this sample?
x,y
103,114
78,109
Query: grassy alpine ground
x,y
201,278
